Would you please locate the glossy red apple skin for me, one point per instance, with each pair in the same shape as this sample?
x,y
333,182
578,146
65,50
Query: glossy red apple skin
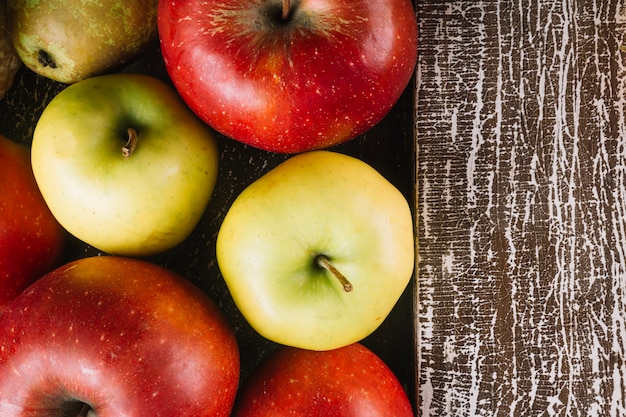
x,y
330,73
127,337
351,381
31,240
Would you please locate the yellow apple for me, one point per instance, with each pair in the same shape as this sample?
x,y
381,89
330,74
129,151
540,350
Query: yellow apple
x,y
317,252
123,164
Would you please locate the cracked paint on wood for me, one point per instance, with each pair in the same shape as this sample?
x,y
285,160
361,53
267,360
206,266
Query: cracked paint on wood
x,y
521,129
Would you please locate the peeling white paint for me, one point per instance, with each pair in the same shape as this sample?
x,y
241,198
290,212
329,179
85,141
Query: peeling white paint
x,y
522,201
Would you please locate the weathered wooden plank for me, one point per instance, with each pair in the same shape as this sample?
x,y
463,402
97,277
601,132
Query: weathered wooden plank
x,y
522,208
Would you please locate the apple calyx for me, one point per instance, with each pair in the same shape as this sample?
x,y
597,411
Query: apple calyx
x,y
323,262
131,144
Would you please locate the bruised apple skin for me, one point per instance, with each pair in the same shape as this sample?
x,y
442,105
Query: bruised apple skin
x,y
321,75
31,239
116,337
68,41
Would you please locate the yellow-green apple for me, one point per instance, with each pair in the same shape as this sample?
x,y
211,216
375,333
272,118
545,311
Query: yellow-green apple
x,y
317,251
289,76
68,41
351,381
31,240
109,337
123,164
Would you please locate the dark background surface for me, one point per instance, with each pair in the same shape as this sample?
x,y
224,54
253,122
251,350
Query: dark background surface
x,y
389,147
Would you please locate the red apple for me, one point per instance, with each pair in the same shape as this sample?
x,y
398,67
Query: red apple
x,y
116,337
319,74
347,382
31,240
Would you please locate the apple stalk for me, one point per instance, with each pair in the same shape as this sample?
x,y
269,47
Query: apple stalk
x,y
131,143
286,8
325,263
85,411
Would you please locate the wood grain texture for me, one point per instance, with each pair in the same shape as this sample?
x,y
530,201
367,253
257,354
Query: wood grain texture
x,y
521,129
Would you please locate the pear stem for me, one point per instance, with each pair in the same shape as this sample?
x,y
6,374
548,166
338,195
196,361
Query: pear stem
x,y
325,263
131,144
286,8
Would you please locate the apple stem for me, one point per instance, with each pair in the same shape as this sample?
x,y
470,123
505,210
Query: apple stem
x,y
131,144
84,411
286,9
325,263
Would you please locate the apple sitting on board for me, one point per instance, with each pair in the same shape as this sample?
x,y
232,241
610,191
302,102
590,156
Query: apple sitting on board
x,y
123,164
317,251
347,382
31,240
68,41
289,76
108,337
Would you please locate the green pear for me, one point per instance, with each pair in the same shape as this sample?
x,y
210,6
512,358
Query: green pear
x,y
69,40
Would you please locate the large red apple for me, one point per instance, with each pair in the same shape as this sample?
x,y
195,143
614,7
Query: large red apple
x,y
350,381
116,337
31,240
309,76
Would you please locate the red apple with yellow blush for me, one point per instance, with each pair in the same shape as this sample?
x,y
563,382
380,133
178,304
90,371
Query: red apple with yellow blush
x,y
289,76
31,240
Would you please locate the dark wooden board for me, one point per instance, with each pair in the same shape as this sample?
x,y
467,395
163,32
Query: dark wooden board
x,y
522,208
389,147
